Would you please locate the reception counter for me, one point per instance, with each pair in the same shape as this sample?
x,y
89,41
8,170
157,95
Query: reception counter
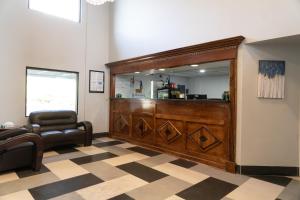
x,y
193,129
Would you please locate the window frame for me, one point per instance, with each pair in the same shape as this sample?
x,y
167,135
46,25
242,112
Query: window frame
x,y
80,12
55,70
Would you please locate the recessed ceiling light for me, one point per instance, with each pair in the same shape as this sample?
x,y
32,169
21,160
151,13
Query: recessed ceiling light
x,y
194,65
137,72
162,70
202,70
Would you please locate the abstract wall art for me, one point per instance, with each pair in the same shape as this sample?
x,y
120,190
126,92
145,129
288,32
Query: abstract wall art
x,y
271,79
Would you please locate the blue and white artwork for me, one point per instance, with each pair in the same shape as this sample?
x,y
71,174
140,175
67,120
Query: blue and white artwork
x,y
271,78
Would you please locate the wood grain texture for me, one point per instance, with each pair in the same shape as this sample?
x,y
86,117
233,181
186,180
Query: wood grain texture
x,y
204,131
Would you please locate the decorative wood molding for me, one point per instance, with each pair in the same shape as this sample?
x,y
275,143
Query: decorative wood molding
x,y
228,43
204,138
142,128
169,132
121,123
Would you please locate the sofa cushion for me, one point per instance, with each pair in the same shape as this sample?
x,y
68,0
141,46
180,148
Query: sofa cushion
x,y
52,136
74,134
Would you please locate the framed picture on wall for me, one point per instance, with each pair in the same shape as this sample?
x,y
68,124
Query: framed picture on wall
x,y
96,84
271,79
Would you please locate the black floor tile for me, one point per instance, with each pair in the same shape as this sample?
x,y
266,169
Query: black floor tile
x,y
22,173
184,163
122,197
209,189
63,187
106,144
65,149
93,158
143,172
144,151
279,180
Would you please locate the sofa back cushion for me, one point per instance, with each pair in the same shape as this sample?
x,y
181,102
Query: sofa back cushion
x,y
54,120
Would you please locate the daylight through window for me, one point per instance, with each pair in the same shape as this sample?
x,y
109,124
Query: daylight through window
x,y
67,9
51,90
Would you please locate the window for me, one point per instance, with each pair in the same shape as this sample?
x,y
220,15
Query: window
x,y
67,9
51,90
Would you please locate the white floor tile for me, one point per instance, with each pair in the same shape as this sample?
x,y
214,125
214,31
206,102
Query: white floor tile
x,y
21,195
255,189
66,169
91,150
181,173
125,159
111,188
8,177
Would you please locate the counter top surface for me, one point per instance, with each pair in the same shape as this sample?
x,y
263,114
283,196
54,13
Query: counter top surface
x,y
176,100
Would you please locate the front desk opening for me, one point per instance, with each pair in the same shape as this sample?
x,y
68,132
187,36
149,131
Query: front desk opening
x,y
209,81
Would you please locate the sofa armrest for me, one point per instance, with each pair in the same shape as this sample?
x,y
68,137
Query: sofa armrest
x,y
33,128
88,127
12,133
27,137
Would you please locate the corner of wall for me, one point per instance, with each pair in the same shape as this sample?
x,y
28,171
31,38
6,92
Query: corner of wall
x,y
239,105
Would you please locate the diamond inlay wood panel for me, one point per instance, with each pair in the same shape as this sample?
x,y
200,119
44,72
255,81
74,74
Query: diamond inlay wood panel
x,y
121,125
208,141
204,138
142,128
169,132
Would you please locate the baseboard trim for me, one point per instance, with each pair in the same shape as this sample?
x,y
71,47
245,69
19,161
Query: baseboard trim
x,y
100,135
268,170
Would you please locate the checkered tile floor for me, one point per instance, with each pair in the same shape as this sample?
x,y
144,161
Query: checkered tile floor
x,y
112,169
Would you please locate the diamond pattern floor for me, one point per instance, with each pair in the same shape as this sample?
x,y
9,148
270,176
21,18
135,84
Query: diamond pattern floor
x,y
113,169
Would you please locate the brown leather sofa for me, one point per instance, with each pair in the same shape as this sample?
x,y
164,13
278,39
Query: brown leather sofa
x,y
18,149
60,128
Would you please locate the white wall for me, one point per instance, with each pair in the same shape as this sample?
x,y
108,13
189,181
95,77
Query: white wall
x,y
30,38
141,27
213,86
267,130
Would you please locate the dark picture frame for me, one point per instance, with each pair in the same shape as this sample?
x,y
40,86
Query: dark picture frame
x,y
96,81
